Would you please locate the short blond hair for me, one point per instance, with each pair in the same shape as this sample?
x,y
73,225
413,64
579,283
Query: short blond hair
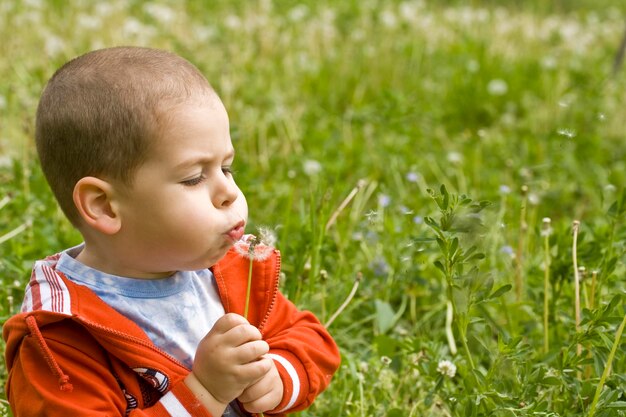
x,y
99,113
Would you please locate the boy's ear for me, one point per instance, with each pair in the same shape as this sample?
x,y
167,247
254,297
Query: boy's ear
x,y
94,201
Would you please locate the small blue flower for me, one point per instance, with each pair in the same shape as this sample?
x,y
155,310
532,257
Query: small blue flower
x,y
384,200
412,176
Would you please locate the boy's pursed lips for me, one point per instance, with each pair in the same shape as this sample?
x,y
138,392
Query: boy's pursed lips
x,y
237,231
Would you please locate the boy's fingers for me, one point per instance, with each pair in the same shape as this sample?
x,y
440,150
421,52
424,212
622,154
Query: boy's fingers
x,y
228,322
250,351
241,334
252,372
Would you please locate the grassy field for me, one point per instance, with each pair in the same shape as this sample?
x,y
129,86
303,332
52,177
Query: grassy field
x,y
440,176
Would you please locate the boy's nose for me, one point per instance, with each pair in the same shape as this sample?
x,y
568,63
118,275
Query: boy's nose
x,y
225,193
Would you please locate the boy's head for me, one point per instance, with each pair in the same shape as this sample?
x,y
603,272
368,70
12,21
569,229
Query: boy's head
x,y
101,112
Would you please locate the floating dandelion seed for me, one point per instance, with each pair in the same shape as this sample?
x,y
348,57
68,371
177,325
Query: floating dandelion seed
x,y
446,368
570,133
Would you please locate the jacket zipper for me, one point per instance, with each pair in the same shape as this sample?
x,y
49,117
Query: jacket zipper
x,y
274,292
130,338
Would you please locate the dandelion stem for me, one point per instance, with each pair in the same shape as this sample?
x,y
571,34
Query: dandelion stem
x,y
523,227
546,282
592,296
607,368
575,227
19,229
449,333
360,184
349,298
248,287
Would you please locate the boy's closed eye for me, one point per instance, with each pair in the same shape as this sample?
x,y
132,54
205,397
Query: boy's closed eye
x,y
227,170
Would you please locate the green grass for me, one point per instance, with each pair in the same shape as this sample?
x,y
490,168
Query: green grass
x,y
482,97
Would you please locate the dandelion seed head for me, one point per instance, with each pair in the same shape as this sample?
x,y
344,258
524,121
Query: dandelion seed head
x,y
446,368
252,247
298,13
505,189
388,19
610,188
497,87
548,62
454,157
311,167
232,22
472,66
533,199
546,228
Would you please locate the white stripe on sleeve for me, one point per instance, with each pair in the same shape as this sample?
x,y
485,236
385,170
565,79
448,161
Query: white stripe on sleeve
x,y
173,406
294,379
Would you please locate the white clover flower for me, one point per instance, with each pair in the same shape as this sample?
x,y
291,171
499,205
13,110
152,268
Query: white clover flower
x,y
497,87
446,368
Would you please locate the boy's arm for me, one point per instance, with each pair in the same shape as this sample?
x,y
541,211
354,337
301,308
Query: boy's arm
x,y
34,390
305,354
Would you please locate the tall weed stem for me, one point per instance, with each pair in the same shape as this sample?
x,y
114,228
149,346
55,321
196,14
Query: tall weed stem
x,y
575,226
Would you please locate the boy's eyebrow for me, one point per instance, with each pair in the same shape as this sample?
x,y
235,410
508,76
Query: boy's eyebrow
x,y
203,160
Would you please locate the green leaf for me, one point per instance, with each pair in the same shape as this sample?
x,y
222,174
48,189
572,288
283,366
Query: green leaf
x,y
440,267
502,290
384,316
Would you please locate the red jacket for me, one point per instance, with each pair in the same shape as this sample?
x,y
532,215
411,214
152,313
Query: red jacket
x,y
70,354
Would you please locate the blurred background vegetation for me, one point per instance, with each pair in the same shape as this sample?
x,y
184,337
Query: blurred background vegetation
x,y
380,101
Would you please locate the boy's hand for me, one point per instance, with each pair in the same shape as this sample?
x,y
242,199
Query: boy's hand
x,y
229,358
265,394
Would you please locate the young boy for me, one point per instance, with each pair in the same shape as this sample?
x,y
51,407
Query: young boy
x,y
145,318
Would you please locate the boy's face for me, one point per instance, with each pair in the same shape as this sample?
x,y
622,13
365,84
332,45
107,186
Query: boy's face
x,y
183,210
